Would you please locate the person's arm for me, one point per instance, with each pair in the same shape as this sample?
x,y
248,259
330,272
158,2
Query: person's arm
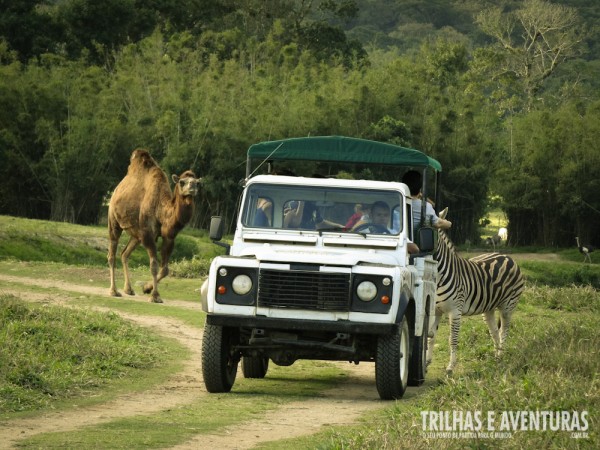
x,y
293,217
412,248
437,222
328,224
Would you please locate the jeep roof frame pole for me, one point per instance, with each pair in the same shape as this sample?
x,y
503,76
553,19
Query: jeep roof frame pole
x,y
423,197
438,191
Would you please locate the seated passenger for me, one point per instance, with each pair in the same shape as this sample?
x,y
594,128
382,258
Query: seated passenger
x,y
377,221
359,211
305,216
264,209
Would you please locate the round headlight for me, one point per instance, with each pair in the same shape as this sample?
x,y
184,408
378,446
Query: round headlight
x,y
366,291
242,284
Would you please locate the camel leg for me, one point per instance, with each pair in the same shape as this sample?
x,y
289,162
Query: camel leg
x,y
165,254
114,233
454,318
125,254
150,246
431,335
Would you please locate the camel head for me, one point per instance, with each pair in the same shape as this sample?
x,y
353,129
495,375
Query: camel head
x,y
186,184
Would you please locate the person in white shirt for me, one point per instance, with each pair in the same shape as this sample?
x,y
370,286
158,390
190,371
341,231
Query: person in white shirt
x,y
414,180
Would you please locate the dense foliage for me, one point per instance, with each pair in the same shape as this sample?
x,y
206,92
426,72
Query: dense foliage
x,y
505,98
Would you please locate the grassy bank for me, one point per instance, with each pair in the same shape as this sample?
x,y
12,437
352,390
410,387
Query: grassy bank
x,y
41,240
52,354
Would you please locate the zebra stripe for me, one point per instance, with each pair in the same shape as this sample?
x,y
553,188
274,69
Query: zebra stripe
x,y
479,285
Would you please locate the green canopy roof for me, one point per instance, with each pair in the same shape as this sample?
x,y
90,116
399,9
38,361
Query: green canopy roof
x,y
341,149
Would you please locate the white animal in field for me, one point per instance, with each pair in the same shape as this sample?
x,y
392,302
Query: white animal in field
x,y
503,233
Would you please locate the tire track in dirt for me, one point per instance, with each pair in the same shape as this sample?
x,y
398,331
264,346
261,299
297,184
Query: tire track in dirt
x,y
342,405
338,406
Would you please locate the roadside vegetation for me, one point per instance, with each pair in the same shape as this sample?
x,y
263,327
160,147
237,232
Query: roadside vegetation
x,y
55,356
47,241
52,353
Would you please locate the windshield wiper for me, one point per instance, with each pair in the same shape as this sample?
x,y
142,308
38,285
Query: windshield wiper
x,y
341,229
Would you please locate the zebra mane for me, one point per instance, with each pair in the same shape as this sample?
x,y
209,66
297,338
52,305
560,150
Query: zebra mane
x,y
444,239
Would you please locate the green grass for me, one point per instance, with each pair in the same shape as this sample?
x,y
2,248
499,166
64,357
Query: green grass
x,y
51,353
557,273
42,240
551,364
551,361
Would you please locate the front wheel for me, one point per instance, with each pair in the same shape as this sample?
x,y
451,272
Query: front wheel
x,y
219,360
391,364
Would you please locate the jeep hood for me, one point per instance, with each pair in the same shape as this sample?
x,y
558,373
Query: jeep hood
x,y
320,255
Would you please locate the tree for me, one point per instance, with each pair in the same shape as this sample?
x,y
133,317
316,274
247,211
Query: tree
x,y
28,27
531,42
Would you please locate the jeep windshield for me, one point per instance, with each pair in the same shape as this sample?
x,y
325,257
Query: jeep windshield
x,y
323,209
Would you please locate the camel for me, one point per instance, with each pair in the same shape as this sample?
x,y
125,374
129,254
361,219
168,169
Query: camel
x,y
145,207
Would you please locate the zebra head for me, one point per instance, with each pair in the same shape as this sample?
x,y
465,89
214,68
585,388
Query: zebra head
x,y
445,246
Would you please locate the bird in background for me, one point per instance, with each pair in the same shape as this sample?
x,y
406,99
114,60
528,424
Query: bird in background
x,y
585,250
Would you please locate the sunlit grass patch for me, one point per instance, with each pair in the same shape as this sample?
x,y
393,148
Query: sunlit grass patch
x,y
51,353
42,240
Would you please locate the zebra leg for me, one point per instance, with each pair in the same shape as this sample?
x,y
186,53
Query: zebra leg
x,y
505,316
490,319
454,318
431,335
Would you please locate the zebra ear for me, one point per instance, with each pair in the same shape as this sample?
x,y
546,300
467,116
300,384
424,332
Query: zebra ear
x,y
443,213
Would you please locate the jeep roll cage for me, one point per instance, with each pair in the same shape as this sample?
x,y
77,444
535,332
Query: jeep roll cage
x,y
346,150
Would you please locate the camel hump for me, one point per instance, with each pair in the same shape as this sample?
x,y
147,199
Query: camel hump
x,y
141,160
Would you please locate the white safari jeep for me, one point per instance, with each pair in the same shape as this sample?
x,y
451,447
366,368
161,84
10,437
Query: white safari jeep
x,y
299,283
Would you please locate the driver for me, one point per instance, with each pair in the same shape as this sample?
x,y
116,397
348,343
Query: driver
x,y
378,223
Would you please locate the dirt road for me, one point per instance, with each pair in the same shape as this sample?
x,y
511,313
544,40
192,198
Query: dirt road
x,y
341,405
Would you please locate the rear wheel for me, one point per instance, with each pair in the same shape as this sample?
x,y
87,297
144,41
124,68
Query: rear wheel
x,y
219,360
255,366
391,364
418,357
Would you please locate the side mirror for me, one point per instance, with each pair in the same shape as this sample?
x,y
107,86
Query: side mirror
x,y
216,232
426,239
216,228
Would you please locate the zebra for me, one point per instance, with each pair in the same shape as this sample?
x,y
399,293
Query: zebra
x,y
479,285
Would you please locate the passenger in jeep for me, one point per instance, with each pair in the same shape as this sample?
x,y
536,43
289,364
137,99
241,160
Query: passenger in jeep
x,y
377,221
306,216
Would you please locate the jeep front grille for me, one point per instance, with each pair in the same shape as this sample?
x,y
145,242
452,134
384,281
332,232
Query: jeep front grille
x,y
304,290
